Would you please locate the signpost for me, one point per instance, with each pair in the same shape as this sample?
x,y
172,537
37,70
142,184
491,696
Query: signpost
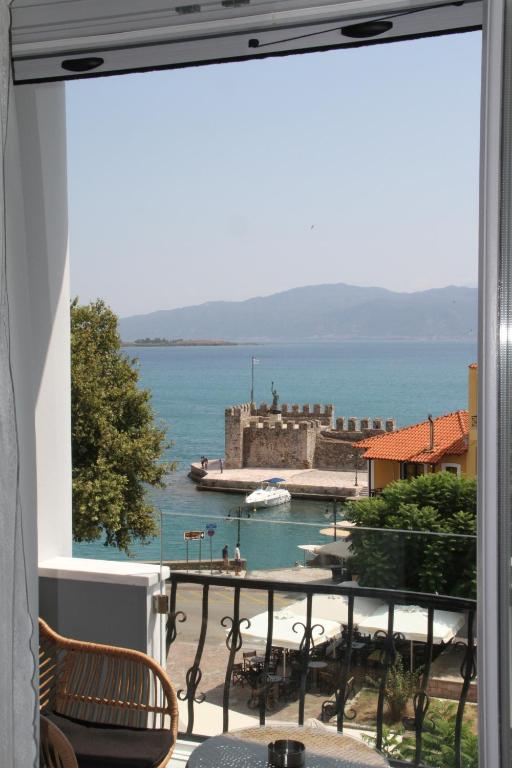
x,y
210,530
193,536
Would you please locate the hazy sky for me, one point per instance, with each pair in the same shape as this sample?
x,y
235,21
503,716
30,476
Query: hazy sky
x,y
236,180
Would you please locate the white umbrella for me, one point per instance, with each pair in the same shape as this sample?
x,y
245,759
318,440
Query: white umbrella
x,y
283,633
335,607
287,632
412,622
340,548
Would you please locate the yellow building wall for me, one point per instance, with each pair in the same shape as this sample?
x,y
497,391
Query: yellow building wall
x,y
384,472
473,418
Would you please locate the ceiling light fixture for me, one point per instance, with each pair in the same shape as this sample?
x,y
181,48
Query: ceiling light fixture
x,y
83,64
367,29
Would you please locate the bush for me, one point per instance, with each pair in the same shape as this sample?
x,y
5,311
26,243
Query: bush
x,y
401,685
438,742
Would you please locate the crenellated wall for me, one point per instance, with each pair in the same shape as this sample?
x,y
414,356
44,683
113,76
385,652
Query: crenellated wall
x,y
296,437
295,412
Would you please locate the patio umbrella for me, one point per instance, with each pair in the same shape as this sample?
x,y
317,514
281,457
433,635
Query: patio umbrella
x,y
335,607
283,633
340,548
412,622
341,533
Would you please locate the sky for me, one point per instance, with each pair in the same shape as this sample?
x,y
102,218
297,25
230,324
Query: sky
x,y
236,180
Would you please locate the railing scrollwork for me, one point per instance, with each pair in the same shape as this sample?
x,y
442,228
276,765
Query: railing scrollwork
x,y
346,657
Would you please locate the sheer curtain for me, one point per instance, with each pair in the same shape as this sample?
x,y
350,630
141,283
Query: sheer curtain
x,y
18,574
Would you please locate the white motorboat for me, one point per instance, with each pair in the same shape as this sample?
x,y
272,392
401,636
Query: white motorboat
x,y
269,495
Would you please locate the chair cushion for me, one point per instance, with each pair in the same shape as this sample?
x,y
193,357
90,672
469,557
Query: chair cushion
x,y
113,746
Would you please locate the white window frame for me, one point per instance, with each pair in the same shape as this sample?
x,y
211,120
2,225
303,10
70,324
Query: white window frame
x,y
495,293
451,466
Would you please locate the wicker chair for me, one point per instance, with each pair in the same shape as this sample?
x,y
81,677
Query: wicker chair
x,y
115,706
55,749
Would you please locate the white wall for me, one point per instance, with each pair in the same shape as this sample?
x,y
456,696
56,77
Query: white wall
x,y
42,121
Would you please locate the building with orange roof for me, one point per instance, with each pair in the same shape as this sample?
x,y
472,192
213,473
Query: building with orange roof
x,y
446,443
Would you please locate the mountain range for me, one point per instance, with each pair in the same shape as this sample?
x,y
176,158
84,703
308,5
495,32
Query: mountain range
x,y
318,312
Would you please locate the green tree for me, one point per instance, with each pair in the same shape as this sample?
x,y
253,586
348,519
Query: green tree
x,y
116,445
439,502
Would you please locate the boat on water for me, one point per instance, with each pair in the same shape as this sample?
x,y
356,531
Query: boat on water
x,y
269,495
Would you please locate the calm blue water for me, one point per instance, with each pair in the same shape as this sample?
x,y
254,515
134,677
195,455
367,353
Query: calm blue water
x,y
191,386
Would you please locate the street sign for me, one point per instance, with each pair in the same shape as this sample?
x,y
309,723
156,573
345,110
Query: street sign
x,y
210,532
210,525
189,535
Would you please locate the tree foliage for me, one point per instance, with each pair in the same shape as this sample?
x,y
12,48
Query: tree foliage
x,y
438,502
116,444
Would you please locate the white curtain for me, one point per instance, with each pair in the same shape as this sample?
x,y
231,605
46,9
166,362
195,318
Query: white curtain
x,y
18,582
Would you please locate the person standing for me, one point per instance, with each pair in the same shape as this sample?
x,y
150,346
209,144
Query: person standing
x,y
238,559
221,466
206,462
225,557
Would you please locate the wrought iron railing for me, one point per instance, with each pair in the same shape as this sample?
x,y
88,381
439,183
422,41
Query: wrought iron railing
x,y
335,707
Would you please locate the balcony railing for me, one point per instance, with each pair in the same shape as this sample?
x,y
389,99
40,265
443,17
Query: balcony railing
x,y
386,644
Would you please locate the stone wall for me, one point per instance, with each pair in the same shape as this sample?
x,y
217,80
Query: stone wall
x,y
298,437
285,445
335,454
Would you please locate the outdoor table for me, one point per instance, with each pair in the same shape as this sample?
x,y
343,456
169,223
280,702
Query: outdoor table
x,y
256,659
248,748
316,665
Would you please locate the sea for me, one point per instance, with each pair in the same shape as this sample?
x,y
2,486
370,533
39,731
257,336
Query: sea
x,y
191,387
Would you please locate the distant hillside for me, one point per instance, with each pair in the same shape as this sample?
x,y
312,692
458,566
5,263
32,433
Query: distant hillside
x,y
322,312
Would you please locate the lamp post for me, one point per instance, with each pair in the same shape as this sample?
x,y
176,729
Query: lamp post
x,y
238,514
357,462
334,516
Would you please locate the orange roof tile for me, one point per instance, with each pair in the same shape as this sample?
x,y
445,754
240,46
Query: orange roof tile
x,y
412,443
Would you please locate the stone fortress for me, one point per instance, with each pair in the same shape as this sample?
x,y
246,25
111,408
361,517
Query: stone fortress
x,y
294,437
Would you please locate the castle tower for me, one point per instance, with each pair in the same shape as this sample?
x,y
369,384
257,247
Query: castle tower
x,y
235,419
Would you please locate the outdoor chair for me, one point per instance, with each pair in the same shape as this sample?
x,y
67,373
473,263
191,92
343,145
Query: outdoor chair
x,y
55,750
238,677
247,656
116,707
